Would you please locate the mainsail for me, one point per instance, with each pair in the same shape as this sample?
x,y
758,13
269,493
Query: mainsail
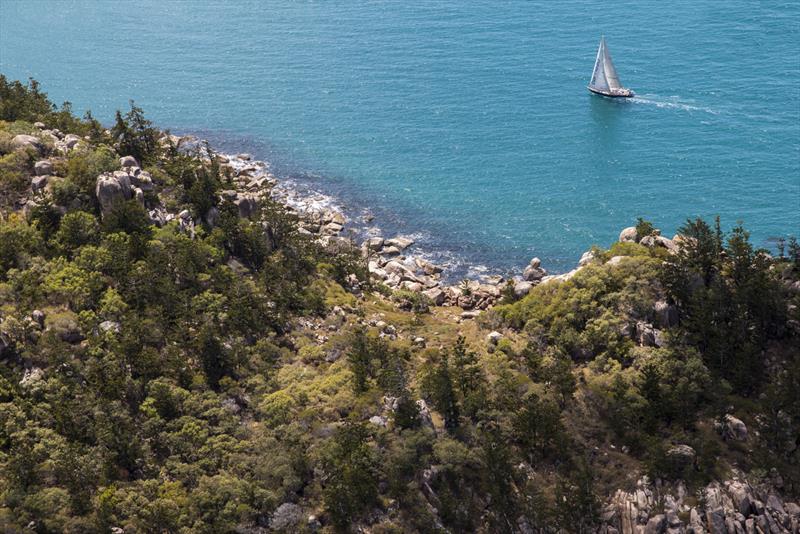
x,y
604,76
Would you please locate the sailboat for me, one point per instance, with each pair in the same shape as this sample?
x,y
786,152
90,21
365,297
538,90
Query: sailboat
x,y
604,77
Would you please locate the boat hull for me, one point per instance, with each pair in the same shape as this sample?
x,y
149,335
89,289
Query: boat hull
x,y
620,93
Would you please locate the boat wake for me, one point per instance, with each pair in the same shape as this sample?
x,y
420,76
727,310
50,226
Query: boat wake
x,y
671,103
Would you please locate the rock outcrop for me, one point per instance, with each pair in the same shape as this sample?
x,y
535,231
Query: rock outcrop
x,y
731,507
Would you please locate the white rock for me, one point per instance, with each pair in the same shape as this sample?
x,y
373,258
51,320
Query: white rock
x,y
494,337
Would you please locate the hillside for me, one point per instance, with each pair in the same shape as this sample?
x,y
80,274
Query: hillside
x,y
182,349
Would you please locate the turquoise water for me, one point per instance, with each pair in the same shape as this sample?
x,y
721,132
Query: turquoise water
x,y
465,123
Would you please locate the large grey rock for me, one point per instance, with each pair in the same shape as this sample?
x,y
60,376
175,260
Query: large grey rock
x,y
248,205
740,495
666,314
38,183
682,456
522,288
427,267
374,243
38,316
128,161
287,517
628,235
424,413
494,337
734,429
586,258
436,295
71,140
533,273
112,189
142,179
43,167
656,524
23,141
400,242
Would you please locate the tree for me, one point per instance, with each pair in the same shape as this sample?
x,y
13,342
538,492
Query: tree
x,y
437,386
577,506
77,229
359,356
538,428
135,135
468,378
350,483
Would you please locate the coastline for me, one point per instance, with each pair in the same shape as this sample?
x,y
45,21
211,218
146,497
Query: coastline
x,y
397,261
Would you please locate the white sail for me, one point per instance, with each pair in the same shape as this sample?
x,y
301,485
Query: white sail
x,y
599,80
608,65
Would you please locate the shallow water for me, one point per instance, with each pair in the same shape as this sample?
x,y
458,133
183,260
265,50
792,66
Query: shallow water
x,y
467,124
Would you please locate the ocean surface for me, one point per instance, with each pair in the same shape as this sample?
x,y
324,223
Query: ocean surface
x,y
465,124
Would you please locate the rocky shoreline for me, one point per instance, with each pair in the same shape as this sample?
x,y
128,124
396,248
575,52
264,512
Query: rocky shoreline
x,y
394,261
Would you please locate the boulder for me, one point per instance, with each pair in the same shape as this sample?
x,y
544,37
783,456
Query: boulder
x,y
374,243
24,142
111,189
522,288
71,140
39,125
395,267
628,235
427,267
436,295
656,524
31,377
143,180
733,429
248,205
400,242
682,456
38,183
38,317
128,161
667,243
390,251
424,413
666,314
645,334
494,337
533,274
287,517
378,420
43,167
586,258
741,496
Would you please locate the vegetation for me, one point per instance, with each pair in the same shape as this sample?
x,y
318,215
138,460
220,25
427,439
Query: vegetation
x,y
153,380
